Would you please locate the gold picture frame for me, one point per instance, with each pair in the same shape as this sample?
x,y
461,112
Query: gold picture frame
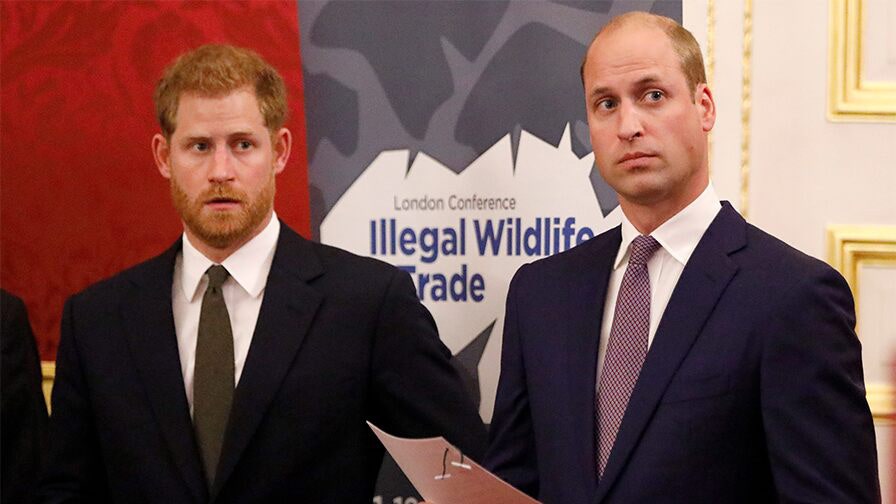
x,y
851,97
48,370
850,248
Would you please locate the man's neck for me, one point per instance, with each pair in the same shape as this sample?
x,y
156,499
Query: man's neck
x,y
647,217
217,255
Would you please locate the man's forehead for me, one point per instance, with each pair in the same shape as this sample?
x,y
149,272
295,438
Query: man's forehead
x,y
631,43
202,115
240,102
635,54
215,94
203,98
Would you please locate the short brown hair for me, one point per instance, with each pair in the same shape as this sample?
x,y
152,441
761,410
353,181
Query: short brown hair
x,y
215,70
683,42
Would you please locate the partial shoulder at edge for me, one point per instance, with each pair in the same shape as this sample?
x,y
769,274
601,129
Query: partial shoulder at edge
x,y
335,258
584,251
149,269
788,257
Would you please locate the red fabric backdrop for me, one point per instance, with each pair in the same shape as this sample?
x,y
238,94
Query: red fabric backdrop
x,y
81,197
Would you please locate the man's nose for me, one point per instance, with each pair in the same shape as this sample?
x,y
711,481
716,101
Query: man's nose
x,y
630,125
222,166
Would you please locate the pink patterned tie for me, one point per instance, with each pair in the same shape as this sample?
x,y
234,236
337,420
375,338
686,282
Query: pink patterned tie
x,y
627,347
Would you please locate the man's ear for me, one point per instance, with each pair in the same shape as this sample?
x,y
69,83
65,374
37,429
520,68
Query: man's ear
x,y
161,152
707,107
282,144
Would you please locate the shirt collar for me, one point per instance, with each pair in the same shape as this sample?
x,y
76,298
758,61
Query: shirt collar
x,y
249,265
680,234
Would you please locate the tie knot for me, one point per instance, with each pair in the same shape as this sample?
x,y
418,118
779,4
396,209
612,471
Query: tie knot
x,y
217,274
642,249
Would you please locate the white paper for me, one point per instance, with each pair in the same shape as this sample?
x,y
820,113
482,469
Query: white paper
x,y
443,476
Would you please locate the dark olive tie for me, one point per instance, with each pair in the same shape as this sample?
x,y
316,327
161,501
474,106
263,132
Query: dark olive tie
x,y
213,377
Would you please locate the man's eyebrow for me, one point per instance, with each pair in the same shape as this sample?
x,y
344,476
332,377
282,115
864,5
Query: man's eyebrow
x,y
598,92
643,82
205,138
247,133
195,138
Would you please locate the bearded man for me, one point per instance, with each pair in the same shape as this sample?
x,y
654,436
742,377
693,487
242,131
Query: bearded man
x,y
241,364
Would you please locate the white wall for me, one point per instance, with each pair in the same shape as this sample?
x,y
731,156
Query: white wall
x,y
808,172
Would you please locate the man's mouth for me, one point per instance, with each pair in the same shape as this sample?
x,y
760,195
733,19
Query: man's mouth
x,y
222,203
635,155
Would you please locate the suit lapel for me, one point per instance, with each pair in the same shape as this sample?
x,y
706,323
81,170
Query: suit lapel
x,y
286,314
149,323
704,279
584,305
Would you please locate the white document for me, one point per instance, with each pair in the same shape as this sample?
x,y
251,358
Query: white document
x,y
443,475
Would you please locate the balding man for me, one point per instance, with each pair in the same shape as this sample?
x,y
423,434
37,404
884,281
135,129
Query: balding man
x,y
685,356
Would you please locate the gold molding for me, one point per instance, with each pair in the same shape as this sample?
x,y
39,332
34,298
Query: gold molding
x,y
851,97
882,401
746,97
48,370
850,248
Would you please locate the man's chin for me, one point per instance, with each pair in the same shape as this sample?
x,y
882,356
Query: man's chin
x,y
641,186
219,232
220,240
224,229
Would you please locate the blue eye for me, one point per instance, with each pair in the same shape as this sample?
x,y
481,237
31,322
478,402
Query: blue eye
x,y
244,145
606,104
200,146
655,95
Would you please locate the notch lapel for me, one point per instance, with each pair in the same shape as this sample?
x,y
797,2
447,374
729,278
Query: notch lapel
x,y
704,279
287,312
585,300
149,323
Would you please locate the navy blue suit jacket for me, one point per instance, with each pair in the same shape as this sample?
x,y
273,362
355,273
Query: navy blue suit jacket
x,y
752,390
23,411
339,339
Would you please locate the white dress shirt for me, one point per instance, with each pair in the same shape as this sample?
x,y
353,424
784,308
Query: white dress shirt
x,y
678,238
243,292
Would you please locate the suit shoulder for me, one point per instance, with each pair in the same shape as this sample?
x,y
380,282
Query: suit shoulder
x,y
771,253
574,257
341,261
10,304
785,276
13,319
109,289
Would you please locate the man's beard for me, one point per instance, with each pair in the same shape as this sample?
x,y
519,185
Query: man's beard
x,y
222,229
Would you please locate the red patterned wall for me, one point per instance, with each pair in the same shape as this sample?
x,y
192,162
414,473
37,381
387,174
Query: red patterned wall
x,y
80,197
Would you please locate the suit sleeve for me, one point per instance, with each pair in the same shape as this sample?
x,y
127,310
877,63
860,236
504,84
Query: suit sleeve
x,y
74,470
818,425
417,392
24,416
511,453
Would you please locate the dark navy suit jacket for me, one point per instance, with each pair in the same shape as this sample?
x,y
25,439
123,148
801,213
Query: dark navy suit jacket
x,y
339,339
23,411
752,390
